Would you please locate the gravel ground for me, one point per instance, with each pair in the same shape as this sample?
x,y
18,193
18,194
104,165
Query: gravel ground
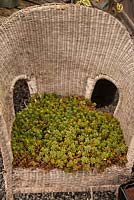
x,y
55,196
2,183
21,95
107,195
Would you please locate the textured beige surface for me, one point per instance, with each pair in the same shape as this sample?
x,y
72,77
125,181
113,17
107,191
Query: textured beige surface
x,y
36,181
61,49
2,19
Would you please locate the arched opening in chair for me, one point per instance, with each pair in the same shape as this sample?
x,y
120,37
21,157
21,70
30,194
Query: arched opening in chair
x,y
105,95
21,95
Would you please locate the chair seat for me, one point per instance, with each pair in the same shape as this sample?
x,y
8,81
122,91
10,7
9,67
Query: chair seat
x,y
38,180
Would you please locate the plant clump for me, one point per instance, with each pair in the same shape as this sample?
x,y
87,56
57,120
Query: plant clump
x,y
66,133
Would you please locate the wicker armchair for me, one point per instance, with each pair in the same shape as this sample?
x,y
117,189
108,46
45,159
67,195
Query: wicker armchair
x,y
64,49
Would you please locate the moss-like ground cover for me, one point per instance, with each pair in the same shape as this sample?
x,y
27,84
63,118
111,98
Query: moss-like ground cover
x,y
66,133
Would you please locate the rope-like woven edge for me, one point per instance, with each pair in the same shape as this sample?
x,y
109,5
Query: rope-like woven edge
x,y
37,180
51,6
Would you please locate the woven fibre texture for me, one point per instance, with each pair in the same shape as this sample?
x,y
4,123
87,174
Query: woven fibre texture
x,y
37,180
61,47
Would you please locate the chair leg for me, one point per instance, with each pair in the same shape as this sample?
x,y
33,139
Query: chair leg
x,y
8,185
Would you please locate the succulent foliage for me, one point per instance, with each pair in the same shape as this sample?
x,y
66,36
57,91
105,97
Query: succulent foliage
x,y
66,133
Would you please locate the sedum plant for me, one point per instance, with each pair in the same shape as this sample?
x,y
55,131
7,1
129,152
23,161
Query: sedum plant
x,y
66,133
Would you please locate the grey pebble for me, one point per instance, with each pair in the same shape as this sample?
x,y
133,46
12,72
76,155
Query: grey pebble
x,y
2,182
107,195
